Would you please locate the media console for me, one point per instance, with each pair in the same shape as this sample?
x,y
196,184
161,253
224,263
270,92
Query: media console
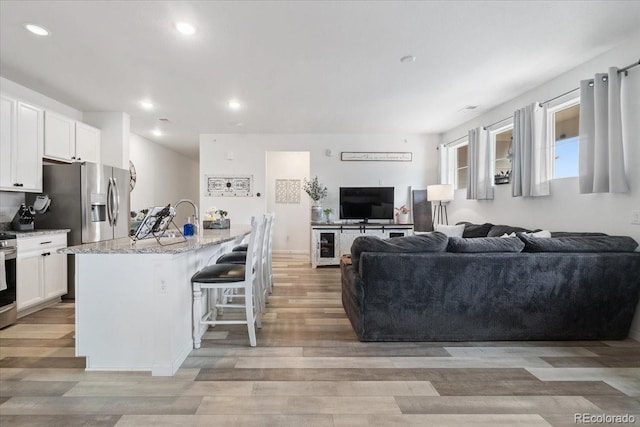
x,y
330,241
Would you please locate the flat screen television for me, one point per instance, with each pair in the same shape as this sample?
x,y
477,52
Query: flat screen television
x,y
365,203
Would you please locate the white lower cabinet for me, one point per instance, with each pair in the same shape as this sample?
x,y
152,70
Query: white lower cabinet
x,y
41,273
330,242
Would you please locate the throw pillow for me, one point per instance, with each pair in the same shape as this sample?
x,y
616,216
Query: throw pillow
x,y
499,230
541,233
484,244
579,244
450,230
475,230
433,242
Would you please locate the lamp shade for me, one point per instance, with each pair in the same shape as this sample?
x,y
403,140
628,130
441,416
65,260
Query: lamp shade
x,y
440,192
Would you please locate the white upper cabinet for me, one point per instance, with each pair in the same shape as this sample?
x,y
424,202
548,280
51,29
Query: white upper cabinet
x,y
70,141
21,142
87,143
59,137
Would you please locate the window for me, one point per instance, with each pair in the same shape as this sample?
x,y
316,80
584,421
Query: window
x,y
502,139
564,121
462,166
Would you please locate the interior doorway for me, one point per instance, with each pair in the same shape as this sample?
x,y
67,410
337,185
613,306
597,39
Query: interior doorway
x,y
285,174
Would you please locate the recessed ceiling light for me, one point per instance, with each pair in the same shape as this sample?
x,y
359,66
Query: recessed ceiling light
x,y
408,58
185,28
157,132
146,104
37,30
234,104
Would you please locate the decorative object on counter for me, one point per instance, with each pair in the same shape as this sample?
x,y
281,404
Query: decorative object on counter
x,y
316,192
328,213
440,193
229,185
188,229
501,178
402,215
288,191
216,219
156,224
23,219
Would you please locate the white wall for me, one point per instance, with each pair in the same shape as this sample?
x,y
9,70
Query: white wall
x,y
288,165
164,176
249,157
566,209
31,96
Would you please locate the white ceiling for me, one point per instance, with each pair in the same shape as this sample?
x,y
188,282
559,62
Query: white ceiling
x,y
301,67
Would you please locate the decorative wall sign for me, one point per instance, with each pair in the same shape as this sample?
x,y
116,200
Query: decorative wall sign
x,y
287,191
229,185
376,156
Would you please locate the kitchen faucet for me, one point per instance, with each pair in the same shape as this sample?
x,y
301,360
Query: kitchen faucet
x,y
195,212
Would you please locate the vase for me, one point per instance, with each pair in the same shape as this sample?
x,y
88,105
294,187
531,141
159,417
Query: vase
x,y
403,218
316,212
328,216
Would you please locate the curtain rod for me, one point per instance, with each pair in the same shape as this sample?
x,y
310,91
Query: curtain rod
x,y
624,70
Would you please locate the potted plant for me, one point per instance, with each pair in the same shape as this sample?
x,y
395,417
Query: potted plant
x,y
316,192
222,221
402,214
328,213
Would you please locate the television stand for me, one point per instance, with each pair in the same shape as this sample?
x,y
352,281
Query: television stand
x,y
330,241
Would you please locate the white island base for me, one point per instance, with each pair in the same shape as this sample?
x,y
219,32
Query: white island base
x,y
133,304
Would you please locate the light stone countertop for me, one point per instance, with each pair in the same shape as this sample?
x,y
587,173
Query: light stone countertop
x,y
33,233
151,246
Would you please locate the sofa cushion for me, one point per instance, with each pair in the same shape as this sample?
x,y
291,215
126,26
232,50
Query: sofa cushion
x,y
484,244
432,242
575,234
499,230
475,230
579,244
450,230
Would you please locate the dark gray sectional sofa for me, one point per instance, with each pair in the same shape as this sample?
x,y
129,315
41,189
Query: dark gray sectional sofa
x,y
571,287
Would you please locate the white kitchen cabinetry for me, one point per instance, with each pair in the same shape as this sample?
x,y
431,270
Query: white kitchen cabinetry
x,y
59,137
21,140
41,272
67,140
329,242
87,143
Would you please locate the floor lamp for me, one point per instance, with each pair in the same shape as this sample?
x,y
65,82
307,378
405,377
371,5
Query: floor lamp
x,y
439,193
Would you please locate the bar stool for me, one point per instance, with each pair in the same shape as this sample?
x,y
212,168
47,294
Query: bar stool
x,y
216,277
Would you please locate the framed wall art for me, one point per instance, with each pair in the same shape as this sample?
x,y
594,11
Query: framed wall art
x,y
288,191
376,156
229,185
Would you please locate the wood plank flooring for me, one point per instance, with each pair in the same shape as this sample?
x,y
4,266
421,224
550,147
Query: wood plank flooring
x,y
310,370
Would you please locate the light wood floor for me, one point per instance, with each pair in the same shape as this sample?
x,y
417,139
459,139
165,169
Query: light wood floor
x,y
310,370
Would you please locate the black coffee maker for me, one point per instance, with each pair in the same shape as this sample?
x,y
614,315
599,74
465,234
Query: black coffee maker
x,y
23,219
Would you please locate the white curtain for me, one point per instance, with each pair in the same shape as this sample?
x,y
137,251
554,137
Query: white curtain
x,y
444,164
479,159
531,152
601,161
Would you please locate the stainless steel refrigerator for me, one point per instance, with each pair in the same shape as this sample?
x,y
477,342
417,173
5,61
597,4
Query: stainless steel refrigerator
x,y
91,200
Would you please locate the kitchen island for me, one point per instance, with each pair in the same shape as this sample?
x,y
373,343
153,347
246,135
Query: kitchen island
x,y
133,300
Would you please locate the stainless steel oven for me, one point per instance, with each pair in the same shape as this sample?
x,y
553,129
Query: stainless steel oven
x,y
8,309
